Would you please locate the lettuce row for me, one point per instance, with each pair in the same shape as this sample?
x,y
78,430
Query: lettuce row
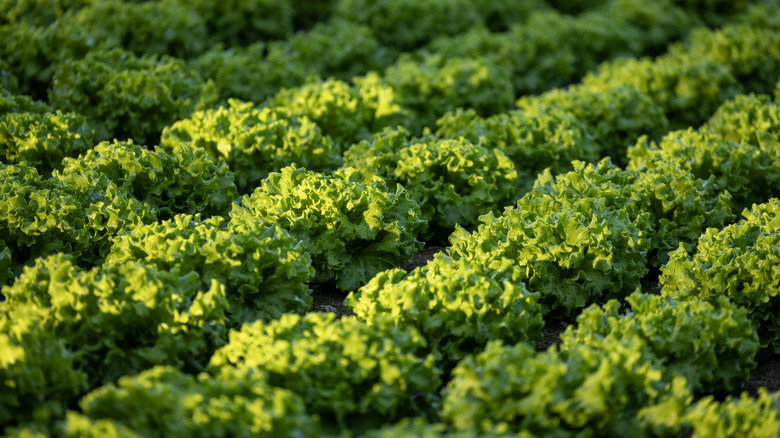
x,y
253,141
584,391
345,113
352,229
711,345
668,203
75,213
740,262
409,24
114,320
144,28
734,416
263,269
689,87
30,133
753,118
189,182
614,117
334,49
572,251
126,97
351,373
457,308
551,49
691,80
432,84
750,52
747,171
453,181
36,12
240,22
37,371
163,401
548,139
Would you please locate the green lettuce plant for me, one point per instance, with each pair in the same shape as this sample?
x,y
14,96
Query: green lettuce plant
x,y
38,373
30,133
753,118
549,138
353,374
253,141
748,50
614,115
163,401
711,345
352,229
128,97
572,251
432,84
75,213
262,267
409,24
145,28
453,181
188,182
739,262
242,22
119,318
508,390
748,171
346,113
455,307
667,202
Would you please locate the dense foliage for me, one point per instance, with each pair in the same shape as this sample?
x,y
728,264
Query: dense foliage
x,y
188,188
352,373
740,262
457,308
353,230
254,142
453,181
262,267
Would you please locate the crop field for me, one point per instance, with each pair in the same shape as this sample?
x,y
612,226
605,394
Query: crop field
x,y
390,218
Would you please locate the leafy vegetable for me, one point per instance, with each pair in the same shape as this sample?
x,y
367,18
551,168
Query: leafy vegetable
x,y
666,202
163,401
352,229
457,308
240,22
77,214
548,139
574,252
614,116
352,373
408,24
752,118
578,391
746,170
254,142
37,370
263,269
28,132
189,182
711,345
434,85
117,319
454,181
346,113
126,97
739,261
